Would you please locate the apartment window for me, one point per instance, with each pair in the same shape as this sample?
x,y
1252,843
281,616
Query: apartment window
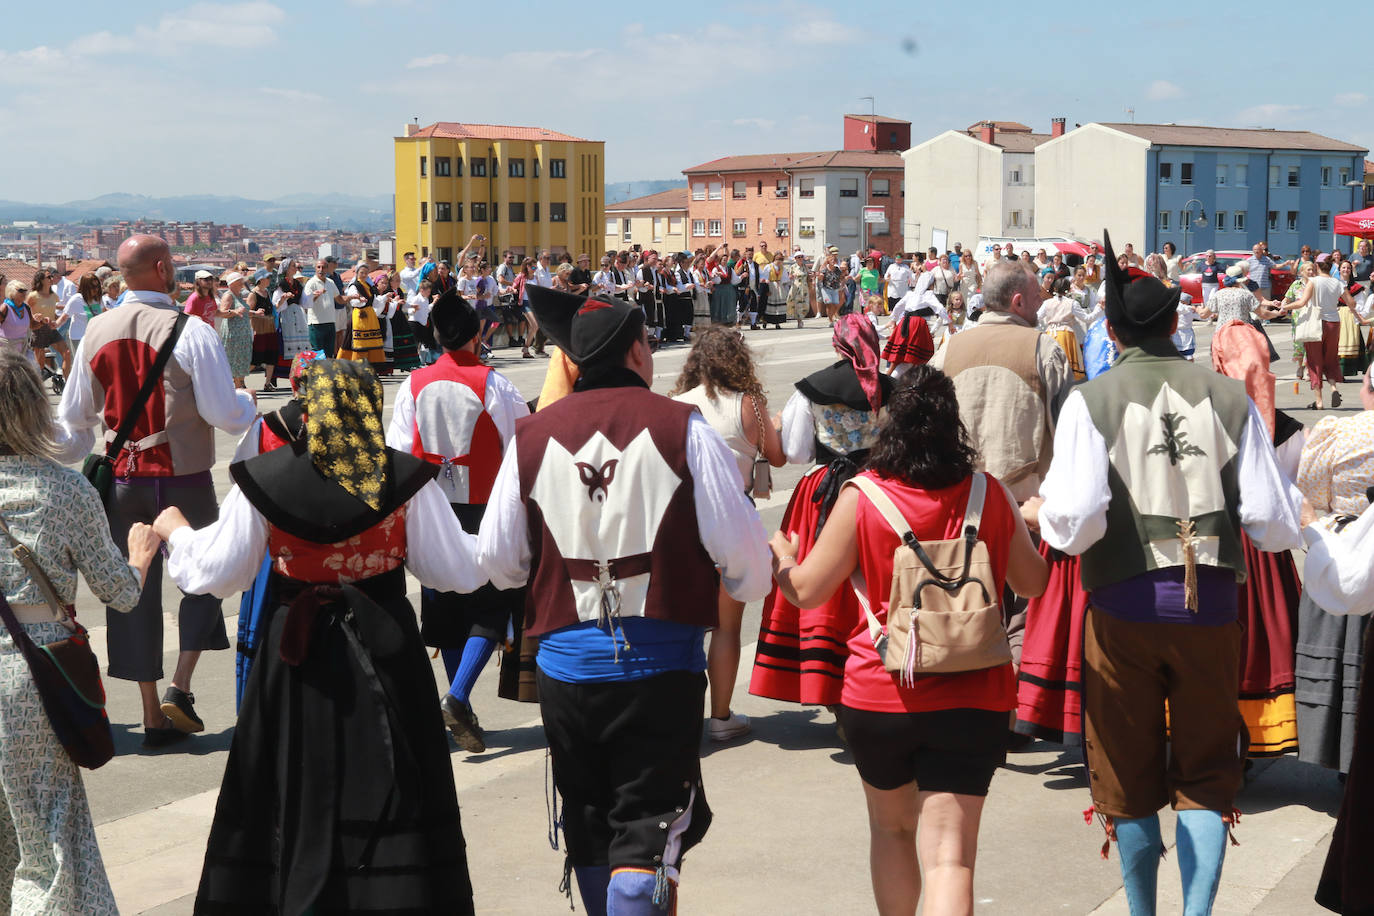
x,y
1324,221
1014,219
443,254
515,168
536,170
517,213
675,225
849,226
479,213
424,251
558,168
882,187
760,227
536,212
1164,220
806,187
1326,176
558,213
713,227
739,189
1185,173
1221,221
495,167
1345,176
1166,173
849,187
1221,176
760,187
658,228
739,228
698,190
424,211
1273,221
495,211
1238,221
424,166
478,168
625,229
1293,180
1242,175
780,227
806,227
1292,220
698,227
1014,176
1273,176
713,190
443,211
780,190
612,224
442,166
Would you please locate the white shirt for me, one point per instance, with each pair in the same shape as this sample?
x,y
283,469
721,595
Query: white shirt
x,y
1338,574
1076,491
503,401
798,430
419,308
108,302
224,558
74,309
410,280
730,528
318,298
542,277
899,279
198,352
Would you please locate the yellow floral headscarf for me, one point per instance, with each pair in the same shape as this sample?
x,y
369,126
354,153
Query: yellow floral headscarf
x,y
343,409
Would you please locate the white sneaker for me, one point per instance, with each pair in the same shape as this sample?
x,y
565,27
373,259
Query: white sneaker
x,y
726,729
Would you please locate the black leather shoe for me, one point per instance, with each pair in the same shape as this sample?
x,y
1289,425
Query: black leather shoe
x,y
179,706
462,724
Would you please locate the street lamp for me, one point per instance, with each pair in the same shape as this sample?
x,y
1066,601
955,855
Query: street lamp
x,y
1187,218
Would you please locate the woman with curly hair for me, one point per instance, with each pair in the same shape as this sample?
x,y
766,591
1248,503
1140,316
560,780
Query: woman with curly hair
x,y
719,379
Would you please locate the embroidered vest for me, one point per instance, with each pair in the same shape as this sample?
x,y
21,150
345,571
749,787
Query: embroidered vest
x,y
377,550
1172,430
612,522
453,429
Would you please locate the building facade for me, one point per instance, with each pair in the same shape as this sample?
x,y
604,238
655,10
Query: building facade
x,y
524,188
655,221
1197,187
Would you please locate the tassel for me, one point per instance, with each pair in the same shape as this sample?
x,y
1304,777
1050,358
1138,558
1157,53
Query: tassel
x,y
663,888
1187,531
1231,823
565,886
1088,816
913,638
551,804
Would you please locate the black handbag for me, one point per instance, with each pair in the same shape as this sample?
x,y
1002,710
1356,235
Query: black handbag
x,y
66,672
99,468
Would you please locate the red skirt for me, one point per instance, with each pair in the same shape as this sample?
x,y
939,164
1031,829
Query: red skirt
x,y
800,654
910,342
1049,689
1269,610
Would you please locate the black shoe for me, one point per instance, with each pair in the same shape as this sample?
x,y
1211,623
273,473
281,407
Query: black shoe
x,y
161,737
179,706
462,724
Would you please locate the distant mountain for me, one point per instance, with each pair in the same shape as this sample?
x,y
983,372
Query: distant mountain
x,y
340,211
628,190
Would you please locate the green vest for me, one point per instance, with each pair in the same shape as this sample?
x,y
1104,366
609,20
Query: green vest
x,y
1173,430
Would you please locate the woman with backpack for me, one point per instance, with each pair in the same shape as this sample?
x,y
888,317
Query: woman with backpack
x,y
926,746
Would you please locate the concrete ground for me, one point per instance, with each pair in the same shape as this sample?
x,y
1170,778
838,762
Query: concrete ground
x,y
790,830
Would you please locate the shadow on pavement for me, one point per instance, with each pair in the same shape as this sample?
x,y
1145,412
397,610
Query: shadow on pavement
x,y
1066,771
809,729
506,742
1286,781
128,742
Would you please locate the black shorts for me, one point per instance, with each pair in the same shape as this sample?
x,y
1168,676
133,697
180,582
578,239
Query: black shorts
x,y
949,750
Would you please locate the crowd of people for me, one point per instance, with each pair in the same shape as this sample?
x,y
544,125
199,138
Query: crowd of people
x,y
1047,519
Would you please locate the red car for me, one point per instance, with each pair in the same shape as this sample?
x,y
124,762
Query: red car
x,y
1280,278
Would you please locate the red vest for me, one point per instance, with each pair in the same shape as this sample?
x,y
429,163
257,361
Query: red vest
x,y
453,429
379,549
609,498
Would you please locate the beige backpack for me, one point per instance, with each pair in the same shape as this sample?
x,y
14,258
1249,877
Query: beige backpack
x,y
944,613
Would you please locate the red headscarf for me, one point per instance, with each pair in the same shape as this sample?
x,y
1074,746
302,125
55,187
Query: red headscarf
x,y
857,341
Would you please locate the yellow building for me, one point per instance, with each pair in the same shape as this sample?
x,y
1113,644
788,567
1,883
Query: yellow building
x,y
524,188
657,221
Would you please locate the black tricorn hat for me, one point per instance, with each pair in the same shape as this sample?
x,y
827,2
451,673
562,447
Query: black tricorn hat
x,y
1135,299
582,327
455,320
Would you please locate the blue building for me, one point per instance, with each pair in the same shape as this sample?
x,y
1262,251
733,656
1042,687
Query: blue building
x,y
1198,187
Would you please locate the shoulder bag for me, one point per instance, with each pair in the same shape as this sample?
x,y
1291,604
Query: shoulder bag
x,y
944,614
761,480
99,468
66,672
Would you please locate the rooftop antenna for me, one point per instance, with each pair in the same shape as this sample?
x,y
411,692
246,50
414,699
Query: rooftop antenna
x,y
869,98
1130,112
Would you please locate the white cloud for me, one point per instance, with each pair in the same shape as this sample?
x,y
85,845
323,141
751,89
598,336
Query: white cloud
x,y
1163,90
432,60
217,25
1269,115
821,32
1350,100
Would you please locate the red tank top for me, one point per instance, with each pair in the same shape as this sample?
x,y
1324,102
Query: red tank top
x,y
379,549
933,515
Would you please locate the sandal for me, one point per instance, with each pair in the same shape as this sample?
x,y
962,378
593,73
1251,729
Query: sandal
x,y
527,355
1335,399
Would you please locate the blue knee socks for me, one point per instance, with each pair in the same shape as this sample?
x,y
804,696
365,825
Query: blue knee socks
x,y
591,887
451,659
1201,850
1138,841
476,651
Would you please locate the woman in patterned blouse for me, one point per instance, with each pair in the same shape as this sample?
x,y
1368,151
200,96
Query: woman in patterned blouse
x,y
48,837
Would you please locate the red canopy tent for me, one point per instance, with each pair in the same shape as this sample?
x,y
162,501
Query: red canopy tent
x,y
1359,224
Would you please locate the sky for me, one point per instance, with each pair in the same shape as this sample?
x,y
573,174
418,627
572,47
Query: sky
x,y
271,97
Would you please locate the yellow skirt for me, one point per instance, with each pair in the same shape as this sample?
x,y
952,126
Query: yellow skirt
x,y
1068,342
366,342
1349,344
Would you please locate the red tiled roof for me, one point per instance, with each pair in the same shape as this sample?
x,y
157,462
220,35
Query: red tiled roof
x,y
1368,167
22,271
1009,126
455,131
86,267
876,119
1014,141
1239,138
671,199
827,159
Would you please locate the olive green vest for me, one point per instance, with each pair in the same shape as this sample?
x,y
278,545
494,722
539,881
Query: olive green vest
x,y
1173,430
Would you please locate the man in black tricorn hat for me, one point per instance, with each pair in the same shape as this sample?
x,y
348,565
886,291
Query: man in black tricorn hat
x,y
1158,465
624,511
460,414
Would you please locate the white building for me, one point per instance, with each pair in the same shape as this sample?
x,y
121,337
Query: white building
x,y
975,182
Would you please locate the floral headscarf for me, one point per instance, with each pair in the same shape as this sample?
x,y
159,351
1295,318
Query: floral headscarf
x,y
343,409
857,341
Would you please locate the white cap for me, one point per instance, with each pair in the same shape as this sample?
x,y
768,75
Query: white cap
x,y
232,277
204,275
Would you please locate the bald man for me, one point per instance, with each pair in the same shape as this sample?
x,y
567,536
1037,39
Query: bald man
x,y
166,461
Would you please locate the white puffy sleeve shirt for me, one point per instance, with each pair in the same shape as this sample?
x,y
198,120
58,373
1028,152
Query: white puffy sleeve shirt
x,y
1338,574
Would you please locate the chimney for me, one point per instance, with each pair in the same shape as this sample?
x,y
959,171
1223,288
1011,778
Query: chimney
x,y
986,132
1056,127
412,128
